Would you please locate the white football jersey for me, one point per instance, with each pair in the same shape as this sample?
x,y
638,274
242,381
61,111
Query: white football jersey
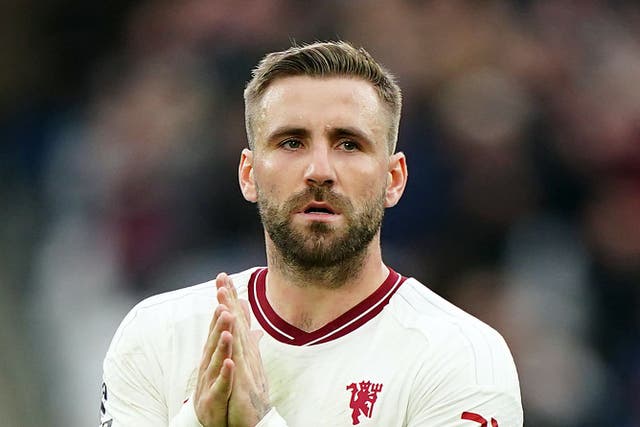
x,y
402,357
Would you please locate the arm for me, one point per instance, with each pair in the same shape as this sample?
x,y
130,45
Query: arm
x,y
131,393
230,376
128,398
467,389
473,407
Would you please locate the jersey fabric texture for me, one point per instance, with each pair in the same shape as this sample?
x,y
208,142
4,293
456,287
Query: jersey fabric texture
x,y
402,357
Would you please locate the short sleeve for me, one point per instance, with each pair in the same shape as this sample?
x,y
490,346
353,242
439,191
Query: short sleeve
x,y
467,381
130,394
473,407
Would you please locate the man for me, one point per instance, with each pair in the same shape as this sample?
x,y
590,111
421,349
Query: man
x,y
326,334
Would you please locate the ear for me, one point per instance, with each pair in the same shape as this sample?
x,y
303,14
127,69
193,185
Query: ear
x,y
245,176
397,179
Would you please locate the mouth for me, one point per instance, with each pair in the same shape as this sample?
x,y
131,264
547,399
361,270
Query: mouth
x,y
319,211
320,208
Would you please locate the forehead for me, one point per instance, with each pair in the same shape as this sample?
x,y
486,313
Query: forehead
x,y
321,101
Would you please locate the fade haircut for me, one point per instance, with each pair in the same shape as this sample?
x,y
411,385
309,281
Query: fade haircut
x,y
324,59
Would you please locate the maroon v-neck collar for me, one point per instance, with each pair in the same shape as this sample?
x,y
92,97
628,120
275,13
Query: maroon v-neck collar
x,y
284,332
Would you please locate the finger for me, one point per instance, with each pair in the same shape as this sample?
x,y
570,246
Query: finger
x,y
225,297
224,383
238,342
240,307
224,350
217,400
246,310
229,284
241,327
212,338
246,354
216,314
221,280
249,339
224,322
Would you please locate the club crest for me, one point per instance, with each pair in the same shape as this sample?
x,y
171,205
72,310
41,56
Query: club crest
x,y
363,396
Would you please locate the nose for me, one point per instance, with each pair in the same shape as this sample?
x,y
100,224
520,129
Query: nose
x,y
320,170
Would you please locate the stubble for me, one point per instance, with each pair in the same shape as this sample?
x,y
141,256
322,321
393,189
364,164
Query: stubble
x,y
320,253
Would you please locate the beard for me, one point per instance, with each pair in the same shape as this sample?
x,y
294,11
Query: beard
x,y
321,247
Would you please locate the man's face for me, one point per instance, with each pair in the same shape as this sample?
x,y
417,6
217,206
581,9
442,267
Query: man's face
x,y
321,167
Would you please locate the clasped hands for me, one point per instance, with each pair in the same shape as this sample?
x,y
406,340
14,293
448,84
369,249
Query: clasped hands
x,y
232,388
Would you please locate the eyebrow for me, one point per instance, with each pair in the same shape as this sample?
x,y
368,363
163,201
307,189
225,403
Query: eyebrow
x,y
351,132
285,131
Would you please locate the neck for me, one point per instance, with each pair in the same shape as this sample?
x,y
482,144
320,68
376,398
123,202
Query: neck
x,y
311,297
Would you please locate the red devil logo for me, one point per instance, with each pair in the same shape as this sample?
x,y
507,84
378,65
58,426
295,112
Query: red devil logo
x,y
363,397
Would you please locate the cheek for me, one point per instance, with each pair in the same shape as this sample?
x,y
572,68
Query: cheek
x,y
279,175
367,182
269,182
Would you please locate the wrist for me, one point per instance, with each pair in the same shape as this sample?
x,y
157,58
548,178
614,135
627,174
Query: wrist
x,y
272,419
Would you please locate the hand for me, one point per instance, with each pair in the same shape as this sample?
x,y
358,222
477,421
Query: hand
x,y
249,401
215,374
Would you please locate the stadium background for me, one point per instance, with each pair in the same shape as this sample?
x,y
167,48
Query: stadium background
x,y
121,125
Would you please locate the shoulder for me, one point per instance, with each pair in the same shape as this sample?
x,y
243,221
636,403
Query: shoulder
x,y
463,363
455,340
417,306
156,317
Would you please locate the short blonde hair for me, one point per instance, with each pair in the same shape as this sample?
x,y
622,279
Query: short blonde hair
x,y
324,59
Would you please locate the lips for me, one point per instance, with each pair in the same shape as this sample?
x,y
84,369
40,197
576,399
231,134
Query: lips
x,y
319,208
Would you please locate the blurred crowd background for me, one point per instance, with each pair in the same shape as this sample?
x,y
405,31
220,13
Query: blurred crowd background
x,y
121,124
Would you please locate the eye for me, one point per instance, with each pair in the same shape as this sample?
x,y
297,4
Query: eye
x,y
348,145
291,144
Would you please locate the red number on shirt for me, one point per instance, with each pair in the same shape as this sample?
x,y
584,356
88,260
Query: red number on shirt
x,y
479,419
